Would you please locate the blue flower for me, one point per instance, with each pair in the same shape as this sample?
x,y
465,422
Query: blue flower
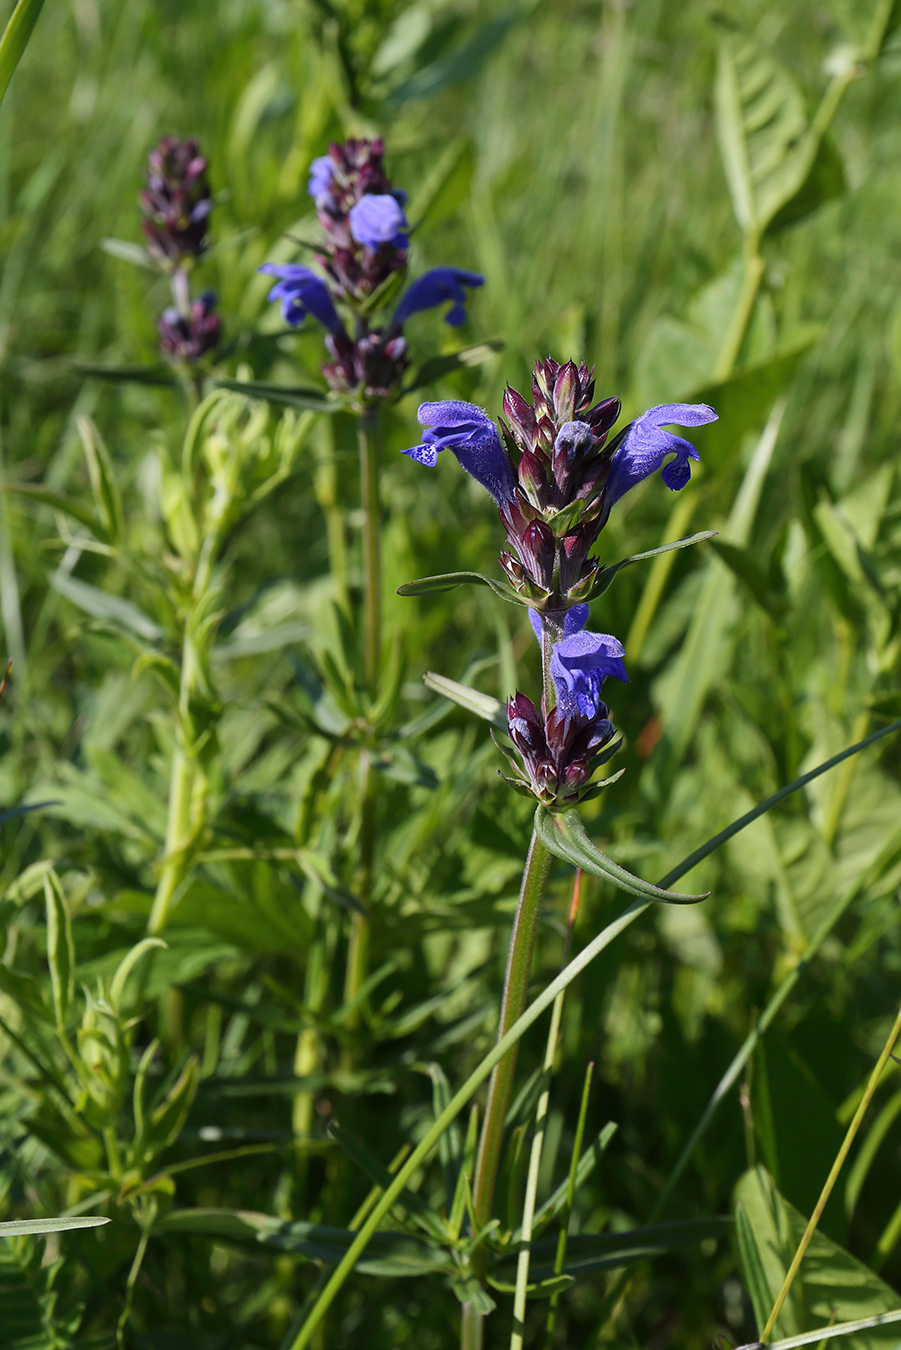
x,y
580,664
471,434
644,446
378,219
301,293
321,171
442,283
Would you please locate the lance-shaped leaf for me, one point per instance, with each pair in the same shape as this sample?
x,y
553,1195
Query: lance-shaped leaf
x,y
60,949
390,1254
35,1227
564,834
59,502
153,375
449,580
433,369
15,38
483,705
283,395
103,480
839,1330
606,574
102,605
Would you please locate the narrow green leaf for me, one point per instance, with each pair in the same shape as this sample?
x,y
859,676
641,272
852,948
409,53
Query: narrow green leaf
x,y
58,501
564,834
554,1284
167,1121
35,1227
438,366
16,812
390,1254
15,39
152,375
584,1168
282,395
834,1332
128,252
114,609
127,965
483,705
103,482
606,574
60,951
449,580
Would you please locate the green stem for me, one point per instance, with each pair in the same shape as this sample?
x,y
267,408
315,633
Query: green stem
x,y
358,942
178,829
832,1177
741,316
528,1210
372,546
516,984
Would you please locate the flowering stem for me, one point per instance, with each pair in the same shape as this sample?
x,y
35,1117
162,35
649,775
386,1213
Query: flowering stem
x,y
516,984
372,545
358,944
541,1111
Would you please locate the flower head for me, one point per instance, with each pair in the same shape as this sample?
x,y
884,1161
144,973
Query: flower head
x,y
176,202
433,289
377,219
301,293
644,445
185,339
473,437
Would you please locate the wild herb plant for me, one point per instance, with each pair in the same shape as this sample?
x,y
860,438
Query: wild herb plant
x,y
188,579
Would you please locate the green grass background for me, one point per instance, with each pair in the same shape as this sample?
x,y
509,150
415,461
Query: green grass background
x,y
568,151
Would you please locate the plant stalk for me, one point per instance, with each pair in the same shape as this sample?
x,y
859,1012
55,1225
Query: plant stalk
x,y
358,942
516,984
372,546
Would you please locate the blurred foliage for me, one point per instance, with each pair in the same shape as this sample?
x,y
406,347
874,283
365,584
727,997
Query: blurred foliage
x,y
575,154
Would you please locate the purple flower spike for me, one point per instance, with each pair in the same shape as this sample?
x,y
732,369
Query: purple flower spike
x,y
645,445
321,171
579,666
301,293
378,219
473,437
432,289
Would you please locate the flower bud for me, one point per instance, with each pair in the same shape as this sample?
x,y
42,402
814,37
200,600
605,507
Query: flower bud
x,y
185,339
176,203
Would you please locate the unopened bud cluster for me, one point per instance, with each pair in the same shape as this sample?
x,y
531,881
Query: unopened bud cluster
x,y
558,753
558,507
176,205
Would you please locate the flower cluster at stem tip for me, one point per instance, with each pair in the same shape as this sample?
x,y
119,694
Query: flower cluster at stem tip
x,y
366,242
176,203
555,472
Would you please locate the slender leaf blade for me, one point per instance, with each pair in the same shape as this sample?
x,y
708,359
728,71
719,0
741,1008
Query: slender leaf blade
x,y
564,834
